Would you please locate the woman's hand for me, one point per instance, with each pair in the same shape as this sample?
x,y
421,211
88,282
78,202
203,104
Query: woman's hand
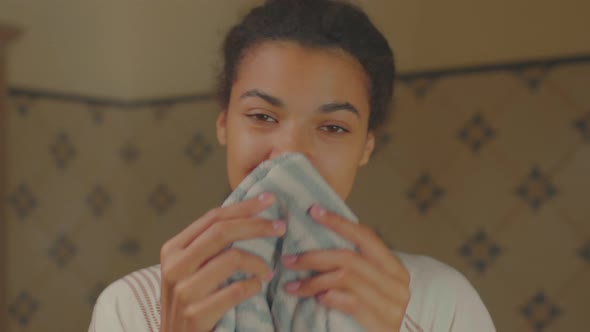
x,y
194,265
372,286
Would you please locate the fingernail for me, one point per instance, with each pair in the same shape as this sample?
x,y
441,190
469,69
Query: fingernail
x,y
287,260
279,225
264,196
293,286
320,211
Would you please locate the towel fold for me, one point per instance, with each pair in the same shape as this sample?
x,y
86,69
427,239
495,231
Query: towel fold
x,y
296,185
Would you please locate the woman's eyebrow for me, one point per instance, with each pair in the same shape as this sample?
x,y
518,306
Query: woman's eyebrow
x,y
325,108
333,107
265,96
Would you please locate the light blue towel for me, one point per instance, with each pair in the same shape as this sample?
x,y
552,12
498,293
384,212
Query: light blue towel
x,y
296,185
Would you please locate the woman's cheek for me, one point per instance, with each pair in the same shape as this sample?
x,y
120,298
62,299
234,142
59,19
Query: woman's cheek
x,y
329,163
338,164
253,149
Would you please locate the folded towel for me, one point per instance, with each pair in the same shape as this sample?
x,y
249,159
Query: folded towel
x,y
296,185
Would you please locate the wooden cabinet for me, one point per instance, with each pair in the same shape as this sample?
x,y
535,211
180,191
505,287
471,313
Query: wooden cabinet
x,y
7,34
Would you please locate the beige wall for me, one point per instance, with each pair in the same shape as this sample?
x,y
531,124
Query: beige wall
x,y
69,45
137,49
461,32
104,223
7,35
124,49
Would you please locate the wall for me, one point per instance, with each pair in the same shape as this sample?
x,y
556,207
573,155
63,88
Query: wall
x,y
7,35
510,211
484,169
144,49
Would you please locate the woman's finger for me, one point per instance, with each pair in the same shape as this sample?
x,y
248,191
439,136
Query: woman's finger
x,y
207,279
346,280
374,298
365,239
243,209
203,316
348,260
213,240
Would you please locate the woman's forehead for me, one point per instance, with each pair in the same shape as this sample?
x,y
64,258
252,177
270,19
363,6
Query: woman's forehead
x,y
295,54
288,67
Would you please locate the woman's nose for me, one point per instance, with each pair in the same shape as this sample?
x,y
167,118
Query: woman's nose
x,y
291,141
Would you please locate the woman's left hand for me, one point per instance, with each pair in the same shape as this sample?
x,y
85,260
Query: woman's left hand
x,y
372,285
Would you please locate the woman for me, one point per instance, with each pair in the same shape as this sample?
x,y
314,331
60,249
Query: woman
x,y
314,77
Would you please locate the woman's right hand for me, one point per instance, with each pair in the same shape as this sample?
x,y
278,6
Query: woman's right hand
x,y
195,263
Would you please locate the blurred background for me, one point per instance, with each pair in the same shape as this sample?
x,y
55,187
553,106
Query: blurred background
x,y
107,148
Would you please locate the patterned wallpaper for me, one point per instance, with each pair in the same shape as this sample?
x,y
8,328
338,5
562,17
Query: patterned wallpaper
x,y
486,170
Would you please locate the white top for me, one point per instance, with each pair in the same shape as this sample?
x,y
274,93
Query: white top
x,y
442,299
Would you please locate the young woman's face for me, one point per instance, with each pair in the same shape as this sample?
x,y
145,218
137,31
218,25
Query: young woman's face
x,y
288,98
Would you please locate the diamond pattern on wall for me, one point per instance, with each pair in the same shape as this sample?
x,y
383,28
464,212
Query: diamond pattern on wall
x,y
62,150
537,189
161,200
62,250
98,200
23,308
198,149
476,133
584,252
130,246
129,153
480,251
97,114
533,76
22,109
425,193
22,106
582,125
161,112
420,86
22,201
456,174
540,312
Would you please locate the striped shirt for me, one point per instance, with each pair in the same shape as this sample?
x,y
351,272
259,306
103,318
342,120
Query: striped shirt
x,y
442,299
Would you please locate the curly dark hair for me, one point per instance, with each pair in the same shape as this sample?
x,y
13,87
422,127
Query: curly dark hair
x,y
315,24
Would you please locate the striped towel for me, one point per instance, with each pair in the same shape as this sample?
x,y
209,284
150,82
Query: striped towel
x,y
296,185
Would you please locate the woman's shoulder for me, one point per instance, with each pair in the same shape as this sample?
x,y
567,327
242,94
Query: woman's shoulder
x,y
131,303
442,298
427,272
145,283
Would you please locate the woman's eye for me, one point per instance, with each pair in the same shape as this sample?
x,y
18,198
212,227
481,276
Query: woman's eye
x,y
334,129
262,117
